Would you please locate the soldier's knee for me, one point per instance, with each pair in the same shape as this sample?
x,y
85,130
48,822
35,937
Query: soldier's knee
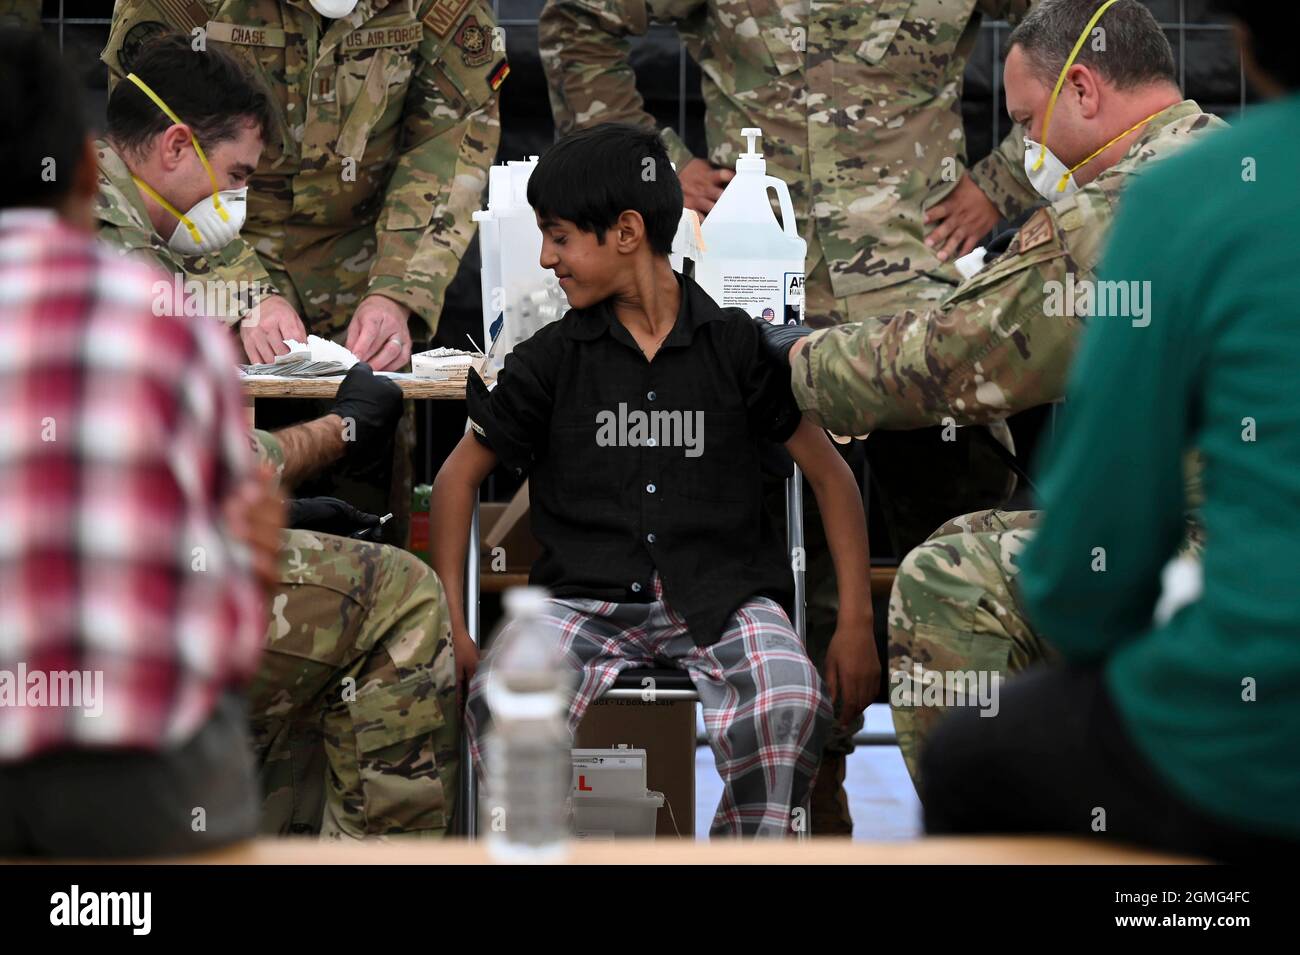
x,y
928,569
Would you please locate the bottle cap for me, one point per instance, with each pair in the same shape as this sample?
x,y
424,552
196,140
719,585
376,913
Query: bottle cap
x,y
752,159
526,601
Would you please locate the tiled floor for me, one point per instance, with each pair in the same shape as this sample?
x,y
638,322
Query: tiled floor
x,y
881,797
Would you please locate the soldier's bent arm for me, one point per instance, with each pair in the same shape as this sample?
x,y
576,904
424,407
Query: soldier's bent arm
x,y
995,347
1001,176
585,53
450,132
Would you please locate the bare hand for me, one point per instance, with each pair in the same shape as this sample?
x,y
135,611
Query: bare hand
x,y
268,324
377,333
852,670
963,218
255,513
466,654
702,184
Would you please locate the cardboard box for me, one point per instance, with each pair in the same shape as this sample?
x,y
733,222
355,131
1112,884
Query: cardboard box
x,y
666,731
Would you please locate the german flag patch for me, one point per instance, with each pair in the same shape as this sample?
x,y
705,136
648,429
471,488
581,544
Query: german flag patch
x,y
497,75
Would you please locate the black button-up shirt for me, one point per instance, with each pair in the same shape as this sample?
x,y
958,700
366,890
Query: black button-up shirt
x,y
636,467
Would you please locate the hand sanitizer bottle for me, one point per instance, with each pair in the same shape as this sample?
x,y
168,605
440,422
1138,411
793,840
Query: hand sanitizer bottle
x,y
750,260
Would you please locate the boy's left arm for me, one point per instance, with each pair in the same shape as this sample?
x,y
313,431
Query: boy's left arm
x,y
852,665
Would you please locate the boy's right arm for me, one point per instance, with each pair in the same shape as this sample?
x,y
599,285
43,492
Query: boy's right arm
x,y
451,510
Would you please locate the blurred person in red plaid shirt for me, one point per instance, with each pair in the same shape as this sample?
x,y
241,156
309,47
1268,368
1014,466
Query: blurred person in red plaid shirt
x,y
134,533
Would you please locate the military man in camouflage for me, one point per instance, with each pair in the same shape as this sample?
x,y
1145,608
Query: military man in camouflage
x,y
354,712
859,104
386,122
1003,340
360,211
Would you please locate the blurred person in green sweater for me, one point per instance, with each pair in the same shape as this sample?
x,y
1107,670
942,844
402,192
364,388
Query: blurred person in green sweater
x,y
1169,723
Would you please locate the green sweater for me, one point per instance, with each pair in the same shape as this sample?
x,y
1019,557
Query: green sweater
x,y
1212,697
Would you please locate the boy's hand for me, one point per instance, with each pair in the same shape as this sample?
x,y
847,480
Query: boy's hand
x,y
852,670
466,654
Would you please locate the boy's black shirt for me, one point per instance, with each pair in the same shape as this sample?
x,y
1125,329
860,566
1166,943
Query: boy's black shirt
x,y
607,517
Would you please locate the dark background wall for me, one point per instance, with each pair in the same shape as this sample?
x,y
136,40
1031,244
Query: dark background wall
x,y
1206,54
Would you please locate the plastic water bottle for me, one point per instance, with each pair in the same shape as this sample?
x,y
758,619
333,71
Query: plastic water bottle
x,y
529,761
750,260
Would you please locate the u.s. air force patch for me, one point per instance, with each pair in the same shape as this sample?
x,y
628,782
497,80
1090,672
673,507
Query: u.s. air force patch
x,y
1037,231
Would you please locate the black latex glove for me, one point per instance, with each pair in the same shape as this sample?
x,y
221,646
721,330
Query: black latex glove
x,y
329,515
374,406
777,339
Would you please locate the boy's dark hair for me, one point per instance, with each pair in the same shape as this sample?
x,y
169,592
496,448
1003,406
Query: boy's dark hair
x,y
594,175
1272,37
1136,52
209,90
42,125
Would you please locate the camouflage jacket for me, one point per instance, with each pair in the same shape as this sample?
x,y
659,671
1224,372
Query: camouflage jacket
x,y
122,222
859,103
387,123
995,346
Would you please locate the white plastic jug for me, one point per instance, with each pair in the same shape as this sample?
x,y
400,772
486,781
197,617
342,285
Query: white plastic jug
x,y
750,260
519,296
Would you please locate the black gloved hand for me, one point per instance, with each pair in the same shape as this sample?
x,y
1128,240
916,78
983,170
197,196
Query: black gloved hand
x,y
373,405
330,515
777,339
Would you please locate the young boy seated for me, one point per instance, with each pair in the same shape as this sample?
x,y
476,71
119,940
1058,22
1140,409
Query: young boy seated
x,y
638,418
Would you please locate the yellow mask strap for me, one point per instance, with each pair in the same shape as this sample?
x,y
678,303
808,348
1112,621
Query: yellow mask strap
x,y
1060,187
185,220
1060,80
212,177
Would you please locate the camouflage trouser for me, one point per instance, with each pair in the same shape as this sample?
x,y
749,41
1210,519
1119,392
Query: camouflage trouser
x,y
353,708
954,608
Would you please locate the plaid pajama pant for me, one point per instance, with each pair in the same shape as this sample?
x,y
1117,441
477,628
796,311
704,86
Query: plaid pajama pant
x,y
765,709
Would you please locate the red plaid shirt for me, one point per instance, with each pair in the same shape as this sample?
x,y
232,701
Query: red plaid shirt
x,y
125,607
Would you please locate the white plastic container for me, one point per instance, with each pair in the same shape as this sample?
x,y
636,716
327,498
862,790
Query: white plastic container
x,y
610,799
519,296
750,260
442,364
616,817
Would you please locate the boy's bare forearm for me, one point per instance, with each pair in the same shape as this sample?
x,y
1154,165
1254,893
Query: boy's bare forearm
x,y
840,503
451,512
451,506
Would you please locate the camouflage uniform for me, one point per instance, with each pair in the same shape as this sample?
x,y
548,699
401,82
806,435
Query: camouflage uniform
x,y
990,350
860,110
955,607
859,106
353,707
386,124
